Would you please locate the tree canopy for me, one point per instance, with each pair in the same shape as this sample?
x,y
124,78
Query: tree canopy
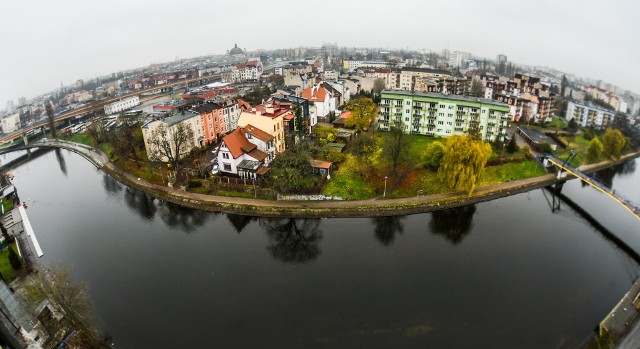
x,y
291,171
363,113
594,151
463,162
613,143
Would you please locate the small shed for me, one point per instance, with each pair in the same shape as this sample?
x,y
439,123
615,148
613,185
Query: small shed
x,y
323,168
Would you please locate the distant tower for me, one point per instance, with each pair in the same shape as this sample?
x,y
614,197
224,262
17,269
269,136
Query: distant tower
x,y
501,59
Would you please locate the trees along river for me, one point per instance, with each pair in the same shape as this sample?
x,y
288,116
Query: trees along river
x,y
507,273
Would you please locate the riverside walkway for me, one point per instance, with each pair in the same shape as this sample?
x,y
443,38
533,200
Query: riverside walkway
x,y
272,208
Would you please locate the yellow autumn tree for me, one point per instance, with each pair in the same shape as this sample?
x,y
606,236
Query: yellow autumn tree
x,y
363,113
463,162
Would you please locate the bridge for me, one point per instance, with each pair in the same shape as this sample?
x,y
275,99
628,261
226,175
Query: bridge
x,y
98,105
563,165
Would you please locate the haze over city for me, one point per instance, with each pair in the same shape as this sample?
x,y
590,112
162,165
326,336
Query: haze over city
x,y
46,43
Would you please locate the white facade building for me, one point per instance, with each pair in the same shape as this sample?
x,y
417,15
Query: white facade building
x,y
585,115
245,152
190,119
11,123
121,105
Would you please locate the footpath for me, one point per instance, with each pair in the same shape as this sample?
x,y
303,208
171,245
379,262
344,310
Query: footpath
x,y
338,208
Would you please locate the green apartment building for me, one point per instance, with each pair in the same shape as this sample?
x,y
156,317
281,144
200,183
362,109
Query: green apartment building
x,y
437,114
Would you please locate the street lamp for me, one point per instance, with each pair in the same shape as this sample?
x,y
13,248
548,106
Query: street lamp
x,y
384,194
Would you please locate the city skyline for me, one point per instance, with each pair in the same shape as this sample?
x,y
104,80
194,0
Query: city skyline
x,y
52,43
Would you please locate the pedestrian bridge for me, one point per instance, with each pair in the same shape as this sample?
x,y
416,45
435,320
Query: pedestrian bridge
x,y
632,207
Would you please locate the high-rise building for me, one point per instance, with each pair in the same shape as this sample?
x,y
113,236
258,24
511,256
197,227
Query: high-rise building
x,y
457,57
22,101
501,59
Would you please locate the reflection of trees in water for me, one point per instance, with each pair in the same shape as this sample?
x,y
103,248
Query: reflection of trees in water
x,y
239,222
453,223
61,162
606,176
139,202
187,219
293,240
387,227
111,185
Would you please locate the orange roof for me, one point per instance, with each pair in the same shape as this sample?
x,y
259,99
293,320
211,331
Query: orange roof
x,y
345,115
315,93
320,164
244,104
258,154
262,170
258,133
235,141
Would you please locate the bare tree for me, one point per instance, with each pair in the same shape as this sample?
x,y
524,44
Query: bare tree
x,y
97,130
169,144
128,140
49,109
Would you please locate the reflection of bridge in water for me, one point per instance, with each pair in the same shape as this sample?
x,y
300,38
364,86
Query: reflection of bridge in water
x,y
631,206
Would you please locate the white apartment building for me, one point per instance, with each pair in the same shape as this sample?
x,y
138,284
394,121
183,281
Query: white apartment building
x,y
121,105
456,58
11,123
586,115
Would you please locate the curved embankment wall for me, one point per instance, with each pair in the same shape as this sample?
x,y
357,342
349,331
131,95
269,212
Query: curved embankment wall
x,y
302,209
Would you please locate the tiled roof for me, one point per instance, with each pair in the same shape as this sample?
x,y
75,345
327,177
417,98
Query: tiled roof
x,y
320,164
315,93
235,141
258,133
258,154
207,108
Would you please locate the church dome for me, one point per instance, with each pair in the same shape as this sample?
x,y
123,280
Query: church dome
x,y
236,51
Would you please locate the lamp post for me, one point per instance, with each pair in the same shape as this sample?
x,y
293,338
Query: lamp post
x,y
384,194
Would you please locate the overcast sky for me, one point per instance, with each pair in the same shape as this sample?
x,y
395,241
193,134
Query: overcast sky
x,y
44,42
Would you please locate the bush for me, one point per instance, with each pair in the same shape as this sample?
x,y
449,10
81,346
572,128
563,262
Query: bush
x,y
195,183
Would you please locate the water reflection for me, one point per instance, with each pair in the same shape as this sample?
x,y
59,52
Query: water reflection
x,y
140,203
387,227
239,222
187,219
454,224
111,185
61,162
293,240
606,176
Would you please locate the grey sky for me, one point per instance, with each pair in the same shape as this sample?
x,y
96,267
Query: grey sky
x,y
43,42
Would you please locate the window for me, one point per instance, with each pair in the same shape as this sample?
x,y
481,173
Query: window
x,y
211,126
449,123
484,111
450,115
407,111
440,114
450,107
440,122
406,119
408,103
225,155
441,106
226,167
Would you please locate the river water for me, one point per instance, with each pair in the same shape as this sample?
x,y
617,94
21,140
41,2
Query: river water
x,y
507,273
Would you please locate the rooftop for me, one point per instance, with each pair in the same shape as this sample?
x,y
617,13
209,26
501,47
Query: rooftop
x,y
180,117
443,96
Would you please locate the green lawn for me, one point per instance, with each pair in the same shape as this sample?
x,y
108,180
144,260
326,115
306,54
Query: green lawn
x,y
509,172
348,187
7,204
7,271
81,138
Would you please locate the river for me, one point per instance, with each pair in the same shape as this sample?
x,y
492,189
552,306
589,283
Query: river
x,y
507,273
